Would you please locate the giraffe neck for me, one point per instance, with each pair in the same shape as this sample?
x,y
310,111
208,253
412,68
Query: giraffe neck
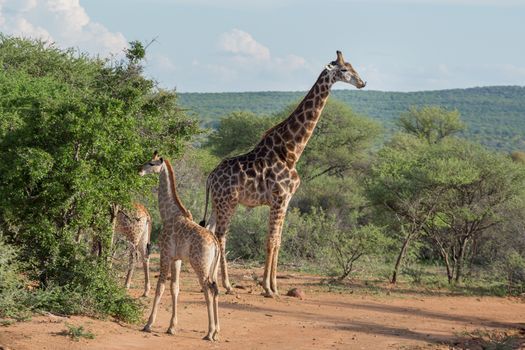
x,y
295,131
169,201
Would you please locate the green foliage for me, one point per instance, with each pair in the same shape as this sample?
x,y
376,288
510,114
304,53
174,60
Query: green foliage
x,y
334,243
73,131
431,123
345,247
237,133
513,267
136,52
77,332
341,141
248,231
453,191
493,115
12,293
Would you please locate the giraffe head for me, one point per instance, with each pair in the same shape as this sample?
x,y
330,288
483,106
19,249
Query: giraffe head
x,y
343,71
154,166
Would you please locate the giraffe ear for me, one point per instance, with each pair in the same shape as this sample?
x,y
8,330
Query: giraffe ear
x,y
156,155
161,160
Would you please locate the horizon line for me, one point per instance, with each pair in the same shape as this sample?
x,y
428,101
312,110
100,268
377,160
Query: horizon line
x,y
390,91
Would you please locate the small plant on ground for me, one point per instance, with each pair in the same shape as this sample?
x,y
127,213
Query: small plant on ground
x,y
77,332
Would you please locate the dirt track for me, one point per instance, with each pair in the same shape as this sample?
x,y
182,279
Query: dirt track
x,y
324,320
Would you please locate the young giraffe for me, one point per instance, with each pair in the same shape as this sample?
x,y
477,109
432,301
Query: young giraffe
x,y
135,227
266,175
180,239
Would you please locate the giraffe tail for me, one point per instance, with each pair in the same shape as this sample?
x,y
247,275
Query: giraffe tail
x,y
148,245
203,221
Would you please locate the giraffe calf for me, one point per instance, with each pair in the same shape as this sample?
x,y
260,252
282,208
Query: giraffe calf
x,y
135,226
183,239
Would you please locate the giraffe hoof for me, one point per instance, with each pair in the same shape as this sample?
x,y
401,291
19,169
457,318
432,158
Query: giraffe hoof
x,y
146,329
208,338
171,331
267,294
230,292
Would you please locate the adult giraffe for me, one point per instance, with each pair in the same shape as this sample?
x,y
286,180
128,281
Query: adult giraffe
x,y
266,175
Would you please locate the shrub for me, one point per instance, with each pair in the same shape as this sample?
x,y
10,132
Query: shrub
x,y
12,293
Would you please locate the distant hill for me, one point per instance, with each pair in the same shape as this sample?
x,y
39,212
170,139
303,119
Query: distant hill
x,y
495,115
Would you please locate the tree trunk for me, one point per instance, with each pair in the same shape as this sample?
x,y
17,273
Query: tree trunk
x,y
444,255
400,258
450,272
459,262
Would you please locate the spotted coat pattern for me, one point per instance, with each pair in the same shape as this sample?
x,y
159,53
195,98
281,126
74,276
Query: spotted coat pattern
x,y
135,226
182,239
267,175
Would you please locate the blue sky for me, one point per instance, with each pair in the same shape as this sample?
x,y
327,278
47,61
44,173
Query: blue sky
x,y
236,45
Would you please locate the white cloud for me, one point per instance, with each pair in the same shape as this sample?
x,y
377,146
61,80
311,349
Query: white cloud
x,y
243,45
242,48
62,21
244,59
160,62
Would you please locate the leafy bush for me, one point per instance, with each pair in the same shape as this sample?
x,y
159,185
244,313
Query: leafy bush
x,y
77,332
12,293
513,266
73,130
247,237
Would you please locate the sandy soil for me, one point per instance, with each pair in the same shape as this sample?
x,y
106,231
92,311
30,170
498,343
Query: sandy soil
x,y
389,319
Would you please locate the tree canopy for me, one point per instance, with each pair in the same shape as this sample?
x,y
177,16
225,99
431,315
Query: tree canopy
x,y
73,131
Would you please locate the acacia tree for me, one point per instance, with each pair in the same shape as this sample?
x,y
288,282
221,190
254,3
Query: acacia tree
x,y
452,191
430,123
393,186
73,130
479,185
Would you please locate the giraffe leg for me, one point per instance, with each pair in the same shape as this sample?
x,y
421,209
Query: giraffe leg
x,y
277,213
211,312
164,270
131,267
215,293
145,264
222,218
273,274
224,267
175,280
216,314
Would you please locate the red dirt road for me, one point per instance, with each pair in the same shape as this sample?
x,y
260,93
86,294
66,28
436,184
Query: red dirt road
x,y
324,320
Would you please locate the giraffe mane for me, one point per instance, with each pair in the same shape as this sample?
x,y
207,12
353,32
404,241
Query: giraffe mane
x,y
267,132
173,188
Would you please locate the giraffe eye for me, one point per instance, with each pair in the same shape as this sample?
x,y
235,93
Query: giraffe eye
x,y
151,164
344,70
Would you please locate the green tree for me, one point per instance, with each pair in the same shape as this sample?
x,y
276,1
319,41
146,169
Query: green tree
x,y
340,143
74,130
237,133
431,123
453,191
394,186
478,186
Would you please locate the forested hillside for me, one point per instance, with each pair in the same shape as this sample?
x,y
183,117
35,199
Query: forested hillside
x,y
495,116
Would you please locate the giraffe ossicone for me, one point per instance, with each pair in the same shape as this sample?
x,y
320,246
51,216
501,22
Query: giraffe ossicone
x,y
266,175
